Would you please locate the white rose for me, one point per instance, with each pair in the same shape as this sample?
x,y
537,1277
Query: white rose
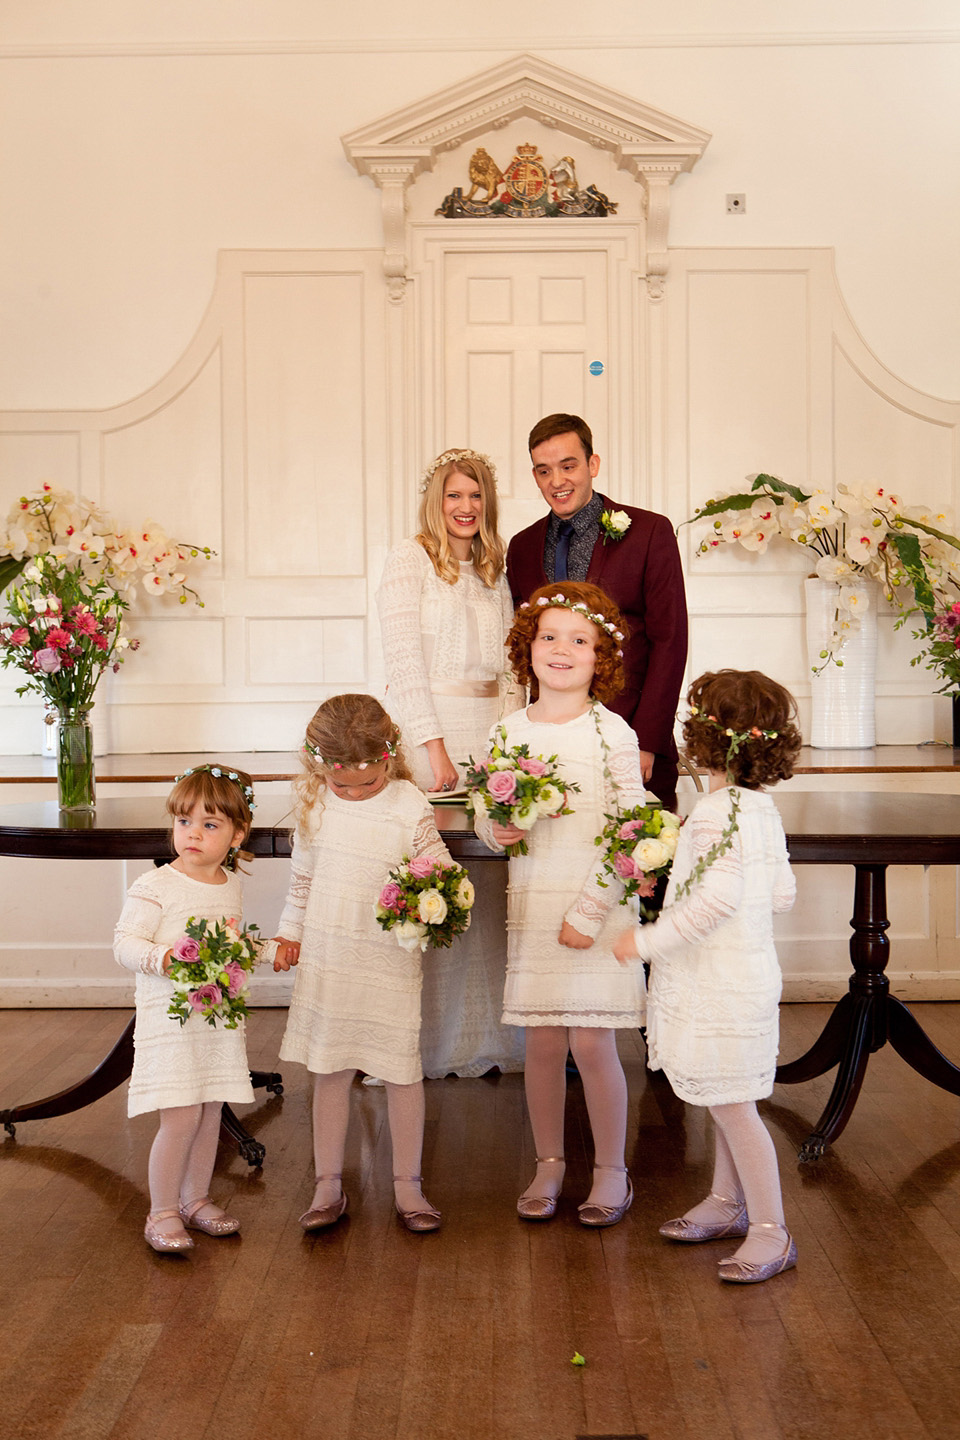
x,y
526,819
550,800
618,521
669,821
465,893
669,838
650,854
432,908
411,936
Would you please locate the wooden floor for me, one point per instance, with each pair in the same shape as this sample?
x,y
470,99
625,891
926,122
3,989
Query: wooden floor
x,y
367,1332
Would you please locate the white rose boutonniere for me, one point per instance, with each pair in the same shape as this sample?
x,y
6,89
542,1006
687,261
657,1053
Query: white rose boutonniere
x,y
614,524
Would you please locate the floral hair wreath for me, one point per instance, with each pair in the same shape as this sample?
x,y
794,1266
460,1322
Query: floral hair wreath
x,y
389,752
450,457
737,738
219,773
560,601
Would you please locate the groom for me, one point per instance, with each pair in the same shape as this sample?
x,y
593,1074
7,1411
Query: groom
x,y
640,570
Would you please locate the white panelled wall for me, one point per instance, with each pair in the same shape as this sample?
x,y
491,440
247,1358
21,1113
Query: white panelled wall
x,y
290,431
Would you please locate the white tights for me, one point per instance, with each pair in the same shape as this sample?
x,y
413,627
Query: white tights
x,y
331,1116
744,1169
605,1093
182,1158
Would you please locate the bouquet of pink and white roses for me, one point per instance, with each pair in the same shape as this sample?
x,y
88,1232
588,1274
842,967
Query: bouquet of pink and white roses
x,y
639,846
210,969
426,902
514,787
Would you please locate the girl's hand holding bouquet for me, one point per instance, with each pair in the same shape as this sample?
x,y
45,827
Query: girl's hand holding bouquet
x,y
427,902
639,846
209,967
515,789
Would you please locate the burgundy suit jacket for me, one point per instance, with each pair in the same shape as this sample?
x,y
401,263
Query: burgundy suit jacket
x,y
642,573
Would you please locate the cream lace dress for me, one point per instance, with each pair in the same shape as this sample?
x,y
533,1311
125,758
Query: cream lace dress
x,y
713,1020
440,643
356,1001
174,1064
548,983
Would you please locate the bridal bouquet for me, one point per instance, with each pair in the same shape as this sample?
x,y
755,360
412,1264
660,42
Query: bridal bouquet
x,y
514,787
639,846
426,902
210,969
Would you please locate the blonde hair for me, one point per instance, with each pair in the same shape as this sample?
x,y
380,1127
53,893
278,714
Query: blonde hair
x,y
219,795
486,548
350,731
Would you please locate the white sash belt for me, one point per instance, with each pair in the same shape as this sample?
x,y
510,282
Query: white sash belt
x,y
466,689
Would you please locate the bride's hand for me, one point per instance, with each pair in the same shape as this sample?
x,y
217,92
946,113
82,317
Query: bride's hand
x,y
445,775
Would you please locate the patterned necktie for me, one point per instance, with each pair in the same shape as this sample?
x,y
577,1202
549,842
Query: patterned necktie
x,y
563,549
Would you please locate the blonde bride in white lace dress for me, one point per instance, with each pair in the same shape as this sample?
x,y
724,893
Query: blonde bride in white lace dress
x,y
445,611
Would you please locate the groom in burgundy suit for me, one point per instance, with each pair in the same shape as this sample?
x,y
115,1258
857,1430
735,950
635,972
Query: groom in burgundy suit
x,y
640,571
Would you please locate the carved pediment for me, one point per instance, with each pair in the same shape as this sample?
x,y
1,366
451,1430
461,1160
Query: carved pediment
x,y
651,146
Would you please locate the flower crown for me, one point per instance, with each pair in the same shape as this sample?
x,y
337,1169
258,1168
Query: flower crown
x,y
560,601
736,737
219,773
389,752
451,456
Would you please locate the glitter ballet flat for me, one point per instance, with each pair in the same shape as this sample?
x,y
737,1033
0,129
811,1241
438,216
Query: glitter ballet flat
x,y
325,1215
418,1221
540,1207
600,1216
692,1233
174,1244
221,1225
747,1272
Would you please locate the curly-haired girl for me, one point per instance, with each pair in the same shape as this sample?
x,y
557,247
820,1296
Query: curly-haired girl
x,y
563,983
715,982
356,1004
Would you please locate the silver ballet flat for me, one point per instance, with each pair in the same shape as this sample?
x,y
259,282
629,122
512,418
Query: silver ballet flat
x,y
692,1233
540,1207
746,1272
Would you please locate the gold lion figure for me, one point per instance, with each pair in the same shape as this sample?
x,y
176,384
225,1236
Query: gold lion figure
x,y
484,174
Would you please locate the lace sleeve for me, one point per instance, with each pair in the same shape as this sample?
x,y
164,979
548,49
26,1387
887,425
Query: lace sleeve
x,y
483,826
427,841
784,887
398,602
714,899
133,944
622,789
298,893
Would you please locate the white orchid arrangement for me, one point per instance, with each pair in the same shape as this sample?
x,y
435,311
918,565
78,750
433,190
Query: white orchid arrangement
x,y
861,531
75,530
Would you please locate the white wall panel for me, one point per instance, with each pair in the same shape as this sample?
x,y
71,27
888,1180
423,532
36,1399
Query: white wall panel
x,y
27,460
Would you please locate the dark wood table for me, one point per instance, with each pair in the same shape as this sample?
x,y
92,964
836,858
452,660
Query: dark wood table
x,y
867,830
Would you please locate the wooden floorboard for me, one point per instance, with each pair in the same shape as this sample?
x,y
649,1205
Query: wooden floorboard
x,y
368,1333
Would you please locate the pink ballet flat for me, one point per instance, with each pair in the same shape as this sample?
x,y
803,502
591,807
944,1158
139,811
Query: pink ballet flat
x,y
420,1222
222,1225
600,1216
540,1207
174,1244
748,1272
325,1215
692,1233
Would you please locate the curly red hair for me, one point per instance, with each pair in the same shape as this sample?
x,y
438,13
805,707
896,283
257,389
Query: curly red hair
x,y
608,675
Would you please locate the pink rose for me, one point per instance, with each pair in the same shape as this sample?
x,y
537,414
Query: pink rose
x,y
19,635
421,866
533,766
625,866
389,895
238,977
502,786
48,661
206,995
186,950
629,829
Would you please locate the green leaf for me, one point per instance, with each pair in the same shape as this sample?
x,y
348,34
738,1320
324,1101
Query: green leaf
x,y
720,507
781,487
10,569
911,558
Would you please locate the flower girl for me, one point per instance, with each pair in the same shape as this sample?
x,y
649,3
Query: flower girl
x,y
563,983
186,1071
356,1004
713,1019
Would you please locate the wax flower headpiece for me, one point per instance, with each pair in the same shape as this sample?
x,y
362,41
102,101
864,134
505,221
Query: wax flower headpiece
x,y
219,773
450,457
388,753
560,602
737,738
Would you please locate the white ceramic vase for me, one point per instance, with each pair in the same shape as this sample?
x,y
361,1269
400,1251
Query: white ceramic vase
x,y
843,696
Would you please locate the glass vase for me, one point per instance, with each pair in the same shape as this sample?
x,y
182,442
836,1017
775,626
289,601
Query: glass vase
x,y
76,782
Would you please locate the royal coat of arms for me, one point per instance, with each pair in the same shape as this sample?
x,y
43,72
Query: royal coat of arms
x,y
525,190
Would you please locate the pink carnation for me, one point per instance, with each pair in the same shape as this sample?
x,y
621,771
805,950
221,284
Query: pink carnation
x,y
625,866
533,766
238,977
629,829
186,950
84,620
389,895
206,995
647,886
421,866
502,786
57,638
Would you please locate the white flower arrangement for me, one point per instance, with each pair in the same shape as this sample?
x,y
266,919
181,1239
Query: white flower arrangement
x,y
861,531
614,524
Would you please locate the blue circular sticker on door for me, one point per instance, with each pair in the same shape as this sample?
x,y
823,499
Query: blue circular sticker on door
x,y
596,367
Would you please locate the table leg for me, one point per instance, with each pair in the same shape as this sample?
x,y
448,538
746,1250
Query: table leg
x,y
111,1072
912,1043
825,1052
849,1078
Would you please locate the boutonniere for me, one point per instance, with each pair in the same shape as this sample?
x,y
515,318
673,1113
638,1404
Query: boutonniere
x,y
614,524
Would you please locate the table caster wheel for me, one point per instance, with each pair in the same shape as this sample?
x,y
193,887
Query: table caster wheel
x,y
813,1148
253,1152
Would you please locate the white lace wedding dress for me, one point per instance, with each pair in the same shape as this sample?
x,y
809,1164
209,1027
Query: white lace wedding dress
x,y
713,1018
548,983
443,648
